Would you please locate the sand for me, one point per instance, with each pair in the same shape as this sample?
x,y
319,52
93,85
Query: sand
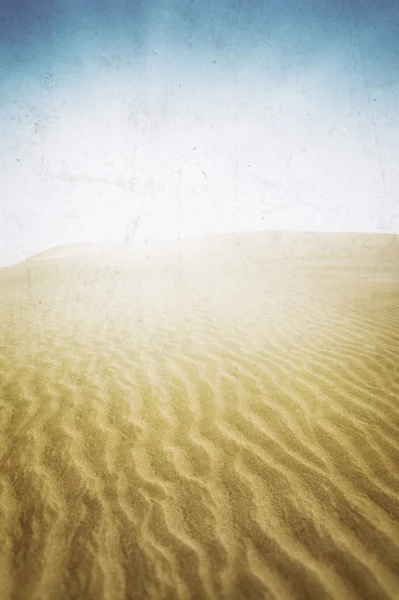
x,y
212,419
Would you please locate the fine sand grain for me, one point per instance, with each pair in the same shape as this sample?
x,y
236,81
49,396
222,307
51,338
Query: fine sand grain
x,y
217,418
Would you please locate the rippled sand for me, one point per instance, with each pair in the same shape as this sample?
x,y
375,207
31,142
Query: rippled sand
x,y
218,419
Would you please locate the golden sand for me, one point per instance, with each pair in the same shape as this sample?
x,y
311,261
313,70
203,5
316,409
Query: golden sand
x,y
212,419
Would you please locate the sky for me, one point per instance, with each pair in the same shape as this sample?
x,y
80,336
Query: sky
x,y
127,120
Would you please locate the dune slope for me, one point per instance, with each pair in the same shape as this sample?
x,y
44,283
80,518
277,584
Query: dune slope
x,y
212,419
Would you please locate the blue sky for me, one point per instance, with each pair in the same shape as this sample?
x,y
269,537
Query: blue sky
x,y
161,118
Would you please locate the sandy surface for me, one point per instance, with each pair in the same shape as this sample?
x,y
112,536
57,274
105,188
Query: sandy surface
x,y
218,419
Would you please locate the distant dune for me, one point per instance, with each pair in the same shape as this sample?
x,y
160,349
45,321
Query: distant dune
x,y
216,418
65,252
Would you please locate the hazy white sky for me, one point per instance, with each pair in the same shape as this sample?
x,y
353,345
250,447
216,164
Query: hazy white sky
x,y
196,122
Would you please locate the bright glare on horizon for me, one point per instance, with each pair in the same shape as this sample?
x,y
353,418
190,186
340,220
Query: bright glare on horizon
x,y
124,127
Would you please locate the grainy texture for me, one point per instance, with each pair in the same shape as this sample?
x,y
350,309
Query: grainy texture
x,y
215,419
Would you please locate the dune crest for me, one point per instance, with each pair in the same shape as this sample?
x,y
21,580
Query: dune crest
x,y
215,418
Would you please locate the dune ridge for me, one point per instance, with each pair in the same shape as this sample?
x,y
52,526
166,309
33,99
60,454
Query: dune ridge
x,y
217,418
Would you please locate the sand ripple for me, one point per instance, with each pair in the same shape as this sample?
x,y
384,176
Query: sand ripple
x,y
218,423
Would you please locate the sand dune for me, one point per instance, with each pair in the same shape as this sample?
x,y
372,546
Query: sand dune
x,y
217,418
